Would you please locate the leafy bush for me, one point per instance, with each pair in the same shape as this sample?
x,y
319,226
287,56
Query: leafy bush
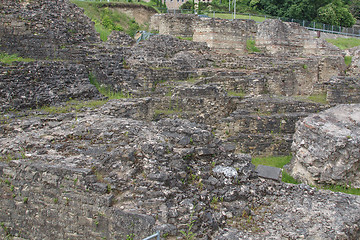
x,y
335,14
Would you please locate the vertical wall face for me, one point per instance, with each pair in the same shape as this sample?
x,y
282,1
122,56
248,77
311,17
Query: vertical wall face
x,y
225,35
43,29
41,201
180,25
277,37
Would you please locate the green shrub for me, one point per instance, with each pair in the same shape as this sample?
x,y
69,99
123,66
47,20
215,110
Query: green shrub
x,y
348,60
250,46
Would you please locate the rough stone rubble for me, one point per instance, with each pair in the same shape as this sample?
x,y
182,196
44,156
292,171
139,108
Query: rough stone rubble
x,y
171,155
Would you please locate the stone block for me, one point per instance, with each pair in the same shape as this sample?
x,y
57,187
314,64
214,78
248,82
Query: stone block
x,y
268,172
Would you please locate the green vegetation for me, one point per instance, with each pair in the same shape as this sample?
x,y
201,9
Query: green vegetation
x,y
239,16
185,38
73,105
236,93
318,98
345,43
108,19
8,59
250,46
278,162
334,12
188,234
340,188
106,91
348,60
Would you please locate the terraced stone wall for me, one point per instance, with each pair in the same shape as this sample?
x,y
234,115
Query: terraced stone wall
x,y
224,35
44,201
44,29
39,83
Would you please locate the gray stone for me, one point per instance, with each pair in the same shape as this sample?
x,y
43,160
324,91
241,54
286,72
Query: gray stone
x,y
228,172
326,147
268,172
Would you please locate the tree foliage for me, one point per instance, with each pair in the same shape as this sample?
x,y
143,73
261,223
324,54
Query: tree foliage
x,y
335,13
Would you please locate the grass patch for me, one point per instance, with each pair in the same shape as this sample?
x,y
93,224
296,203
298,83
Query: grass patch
x,y
185,38
278,162
109,19
250,46
73,105
236,93
9,59
239,16
345,43
348,60
167,111
340,188
318,98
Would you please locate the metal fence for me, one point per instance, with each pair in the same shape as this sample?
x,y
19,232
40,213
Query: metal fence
x,y
311,25
156,235
314,26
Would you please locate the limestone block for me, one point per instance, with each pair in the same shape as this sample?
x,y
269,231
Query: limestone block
x,y
326,147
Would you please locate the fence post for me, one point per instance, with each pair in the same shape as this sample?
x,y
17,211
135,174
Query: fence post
x,y
303,23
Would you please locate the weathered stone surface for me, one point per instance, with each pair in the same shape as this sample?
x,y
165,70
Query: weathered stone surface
x,y
35,84
343,90
326,147
277,37
269,172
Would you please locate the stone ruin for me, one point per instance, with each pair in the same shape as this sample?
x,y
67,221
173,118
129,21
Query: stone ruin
x,y
174,155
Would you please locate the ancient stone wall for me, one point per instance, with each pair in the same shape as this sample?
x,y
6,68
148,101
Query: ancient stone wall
x,y
44,29
343,90
35,84
181,25
42,201
225,35
277,37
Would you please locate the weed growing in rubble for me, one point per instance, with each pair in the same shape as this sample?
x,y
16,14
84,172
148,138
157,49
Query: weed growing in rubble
x,y
188,234
130,236
106,91
347,60
8,59
250,46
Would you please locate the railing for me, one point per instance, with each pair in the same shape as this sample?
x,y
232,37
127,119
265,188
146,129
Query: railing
x,y
156,235
314,26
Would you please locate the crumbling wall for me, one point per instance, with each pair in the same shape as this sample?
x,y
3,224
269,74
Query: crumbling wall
x,y
343,90
35,84
277,37
44,29
229,36
181,25
42,201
